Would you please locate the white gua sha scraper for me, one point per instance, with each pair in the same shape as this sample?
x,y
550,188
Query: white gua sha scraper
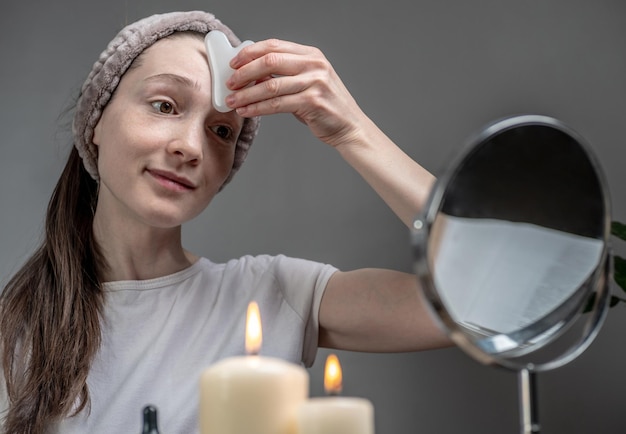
x,y
220,53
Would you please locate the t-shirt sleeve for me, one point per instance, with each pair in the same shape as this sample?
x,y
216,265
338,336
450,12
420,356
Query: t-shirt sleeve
x,y
302,283
289,293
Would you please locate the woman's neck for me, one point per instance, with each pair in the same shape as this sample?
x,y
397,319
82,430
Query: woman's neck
x,y
137,252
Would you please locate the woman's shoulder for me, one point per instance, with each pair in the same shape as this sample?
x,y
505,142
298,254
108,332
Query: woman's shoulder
x,y
263,263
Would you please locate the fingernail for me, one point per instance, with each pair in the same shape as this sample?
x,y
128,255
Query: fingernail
x,y
230,100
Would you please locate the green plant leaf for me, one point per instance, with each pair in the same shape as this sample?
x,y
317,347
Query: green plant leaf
x,y
619,230
619,271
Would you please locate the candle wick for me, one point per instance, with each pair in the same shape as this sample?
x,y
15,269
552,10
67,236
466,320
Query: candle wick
x,y
334,393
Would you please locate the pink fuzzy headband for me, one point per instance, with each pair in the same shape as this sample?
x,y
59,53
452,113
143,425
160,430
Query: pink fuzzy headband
x,y
106,73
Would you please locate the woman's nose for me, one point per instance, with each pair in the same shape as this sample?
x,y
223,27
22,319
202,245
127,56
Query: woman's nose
x,y
189,143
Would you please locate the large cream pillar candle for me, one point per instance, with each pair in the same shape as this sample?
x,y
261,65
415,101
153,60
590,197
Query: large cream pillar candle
x,y
251,394
335,414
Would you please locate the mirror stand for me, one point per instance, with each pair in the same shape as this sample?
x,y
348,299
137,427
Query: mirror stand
x,y
529,415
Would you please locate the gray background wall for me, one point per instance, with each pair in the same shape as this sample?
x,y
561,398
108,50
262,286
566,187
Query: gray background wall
x,y
430,73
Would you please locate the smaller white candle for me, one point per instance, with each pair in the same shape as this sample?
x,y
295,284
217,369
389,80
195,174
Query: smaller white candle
x,y
335,414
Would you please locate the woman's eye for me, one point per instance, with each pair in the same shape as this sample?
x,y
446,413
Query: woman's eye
x,y
163,107
222,131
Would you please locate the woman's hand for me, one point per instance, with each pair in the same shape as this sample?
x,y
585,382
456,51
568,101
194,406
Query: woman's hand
x,y
275,76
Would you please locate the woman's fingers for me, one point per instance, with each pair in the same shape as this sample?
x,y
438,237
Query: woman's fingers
x,y
273,58
261,48
276,76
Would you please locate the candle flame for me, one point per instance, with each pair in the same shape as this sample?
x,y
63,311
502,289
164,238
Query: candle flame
x,y
254,334
332,375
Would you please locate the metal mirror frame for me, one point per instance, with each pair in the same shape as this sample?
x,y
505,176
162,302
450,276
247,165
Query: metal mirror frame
x,y
597,286
423,224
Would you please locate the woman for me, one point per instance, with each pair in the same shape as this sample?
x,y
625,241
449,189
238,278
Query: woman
x,y
112,313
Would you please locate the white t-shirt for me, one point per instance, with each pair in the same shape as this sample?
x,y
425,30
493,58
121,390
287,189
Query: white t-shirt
x,y
160,334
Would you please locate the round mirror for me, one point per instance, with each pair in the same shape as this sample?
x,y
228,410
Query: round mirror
x,y
512,247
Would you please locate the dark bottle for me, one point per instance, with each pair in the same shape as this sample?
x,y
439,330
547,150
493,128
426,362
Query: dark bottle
x,y
150,425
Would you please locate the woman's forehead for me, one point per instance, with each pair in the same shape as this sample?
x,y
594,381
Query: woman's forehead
x,y
182,53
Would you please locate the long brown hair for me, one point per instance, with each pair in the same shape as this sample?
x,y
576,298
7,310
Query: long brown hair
x,y
50,311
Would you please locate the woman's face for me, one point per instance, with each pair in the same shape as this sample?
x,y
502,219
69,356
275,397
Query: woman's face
x,y
163,150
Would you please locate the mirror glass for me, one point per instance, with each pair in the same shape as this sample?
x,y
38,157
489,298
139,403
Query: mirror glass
x,y
513,242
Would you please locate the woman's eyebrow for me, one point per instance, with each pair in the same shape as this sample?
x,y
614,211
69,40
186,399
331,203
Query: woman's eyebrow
x,y
174,78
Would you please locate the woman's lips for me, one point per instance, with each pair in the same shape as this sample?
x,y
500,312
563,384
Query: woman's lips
x,y
171,180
